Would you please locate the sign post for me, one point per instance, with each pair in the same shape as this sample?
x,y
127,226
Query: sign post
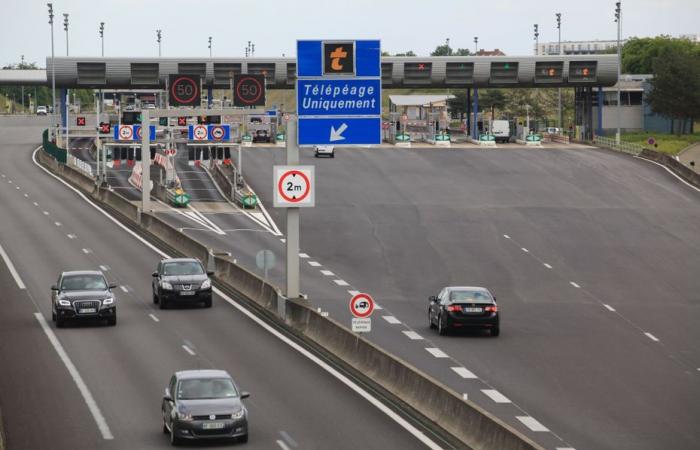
x,y
146,162
361,307
292,220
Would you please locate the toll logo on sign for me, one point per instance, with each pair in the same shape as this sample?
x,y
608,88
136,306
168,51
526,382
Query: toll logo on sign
x,y
339,58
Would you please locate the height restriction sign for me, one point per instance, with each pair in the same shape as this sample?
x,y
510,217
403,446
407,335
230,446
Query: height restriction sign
x,y
294,187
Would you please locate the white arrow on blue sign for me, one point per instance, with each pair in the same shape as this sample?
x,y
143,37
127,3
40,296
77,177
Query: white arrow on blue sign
x,y
340,131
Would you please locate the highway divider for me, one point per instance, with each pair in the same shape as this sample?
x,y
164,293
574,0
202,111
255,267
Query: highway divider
x,y
440,406
673,165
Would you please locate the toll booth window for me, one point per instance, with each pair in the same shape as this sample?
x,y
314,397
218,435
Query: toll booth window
x,y
291,73
549,72
417,72
144,74
267,69
504,72
582,71
192,69
459,73
387,70
92,74
224,73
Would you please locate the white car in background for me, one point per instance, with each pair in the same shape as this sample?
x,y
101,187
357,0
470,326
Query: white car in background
x,y
42,110
324,150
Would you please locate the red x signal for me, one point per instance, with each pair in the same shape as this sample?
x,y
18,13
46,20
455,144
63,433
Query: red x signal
x,y
421,66
80,121
182,121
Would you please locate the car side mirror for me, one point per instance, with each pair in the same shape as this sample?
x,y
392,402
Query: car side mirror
x,y
154,274
113,285
432,299
245,394
210,273
167,398
54,288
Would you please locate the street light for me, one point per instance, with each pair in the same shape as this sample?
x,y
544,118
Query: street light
x,y
65,27
618,19
210,46
561,125
537,39
53,74
102,37
158,38
476,43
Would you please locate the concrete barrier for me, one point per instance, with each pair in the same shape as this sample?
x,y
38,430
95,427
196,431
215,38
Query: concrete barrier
x,y
675,166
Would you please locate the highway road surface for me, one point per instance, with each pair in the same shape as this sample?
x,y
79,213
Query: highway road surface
x,y
91,386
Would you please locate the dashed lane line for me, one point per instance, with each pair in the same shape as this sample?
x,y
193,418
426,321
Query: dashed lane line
x,y
155,319
524,249
547,265
532,423
391,319
124,288
651,336
188,350
71,236
413,335
436,352
314,263
341,282
353,293
574,284
496,396
87,251
608,307
464,373
328,273
303,256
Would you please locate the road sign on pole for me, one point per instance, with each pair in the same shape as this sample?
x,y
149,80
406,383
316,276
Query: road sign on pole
x,y
184,90
361,305
340,131
294,186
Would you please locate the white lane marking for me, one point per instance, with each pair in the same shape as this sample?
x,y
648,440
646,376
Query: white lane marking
x,y
303,255
413,335
304,352
26,195
17,187
651,336
669,171
532,423
36,204
3,175
71,236
341,282
46,213
378,307
353,293
565,448
188,350
104,268
155,319
9,181
283,240
282,445
547,266
525,250
506,236
314,263
575,285
464,372
58,224
391,319
496,396
327,273
610,308
124,288
87,251
288,438
436,352
73,371
465,396
11,268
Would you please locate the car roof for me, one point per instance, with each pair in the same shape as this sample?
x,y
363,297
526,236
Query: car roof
x,y
206,373
82,272
169,260
467,288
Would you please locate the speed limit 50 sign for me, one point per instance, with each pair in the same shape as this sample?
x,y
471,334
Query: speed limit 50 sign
x,y
294,187
184,90
249,90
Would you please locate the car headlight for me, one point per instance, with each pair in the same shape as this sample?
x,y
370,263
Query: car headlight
x,y
185,417
206,284
238,414
166,285
108,301
64,303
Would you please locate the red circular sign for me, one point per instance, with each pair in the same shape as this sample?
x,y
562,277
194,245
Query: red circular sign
x,y
249,90
293,174
386,125
184,90
199,133
217,133
361,305
125,132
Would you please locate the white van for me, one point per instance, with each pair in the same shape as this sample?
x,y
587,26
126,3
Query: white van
x,y
501,130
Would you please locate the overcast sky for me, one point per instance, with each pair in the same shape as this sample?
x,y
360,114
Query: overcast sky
x,y
274,25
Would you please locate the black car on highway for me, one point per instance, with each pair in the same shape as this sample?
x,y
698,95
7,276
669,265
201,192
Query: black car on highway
x,y
83,294
463,307
204,404
181,281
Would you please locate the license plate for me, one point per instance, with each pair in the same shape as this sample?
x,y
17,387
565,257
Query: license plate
x,y
87,310
472,310
213,425
187,292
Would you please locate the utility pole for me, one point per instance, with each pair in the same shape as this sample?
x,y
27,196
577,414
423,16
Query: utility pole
x,y
561,124
53,76
447,46
618,19
476,45
65,27
537,39
475,105
210,46
21,66
158,38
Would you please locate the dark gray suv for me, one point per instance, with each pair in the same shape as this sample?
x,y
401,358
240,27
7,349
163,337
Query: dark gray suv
x,y
179,281
83,294
204,404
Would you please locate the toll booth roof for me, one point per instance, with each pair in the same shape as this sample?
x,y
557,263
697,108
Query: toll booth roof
x,y
419,100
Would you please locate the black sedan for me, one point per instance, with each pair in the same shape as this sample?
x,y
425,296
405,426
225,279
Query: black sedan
x,y
464,307
83,294
181,280
204,404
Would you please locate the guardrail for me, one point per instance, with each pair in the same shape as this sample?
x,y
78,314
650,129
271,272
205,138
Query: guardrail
x,y
79,164
59,154
626,147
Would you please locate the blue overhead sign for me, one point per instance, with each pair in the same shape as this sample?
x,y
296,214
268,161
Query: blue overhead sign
x,y
339,97
132,133
340,131
339,92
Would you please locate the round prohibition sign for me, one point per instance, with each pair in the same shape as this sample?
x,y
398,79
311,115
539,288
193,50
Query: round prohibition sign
x,y
126,133
184,85
361,305
217,133
250,96
294,186
200,132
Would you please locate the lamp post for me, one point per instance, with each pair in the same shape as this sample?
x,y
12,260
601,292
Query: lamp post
x,y
158,39
21,66
618,19
476,44
537,39
210,46
102,41
65,27
561,125
53,75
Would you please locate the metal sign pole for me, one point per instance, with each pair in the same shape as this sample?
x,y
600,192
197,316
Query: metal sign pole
x,y
292,218
145,160
97,139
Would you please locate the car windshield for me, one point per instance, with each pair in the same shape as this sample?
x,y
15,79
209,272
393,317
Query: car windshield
x,y
470,296
201,388
83,283
183,268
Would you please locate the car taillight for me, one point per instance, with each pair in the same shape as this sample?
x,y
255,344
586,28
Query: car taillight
x,y
493,308
454,308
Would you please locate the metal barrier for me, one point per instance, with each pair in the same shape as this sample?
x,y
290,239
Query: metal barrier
x,y
59,154
79,164
626,147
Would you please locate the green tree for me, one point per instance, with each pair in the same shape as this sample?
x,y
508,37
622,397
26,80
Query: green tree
x,y
462,52
675,89
442,50
638,54
458,104
408,53
491,99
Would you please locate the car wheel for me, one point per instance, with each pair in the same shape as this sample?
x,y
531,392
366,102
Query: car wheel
x,y
60,323
163,303
442,329
155,299
174,440
112,321
332,155
495,331
430,320
53,315
243,439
